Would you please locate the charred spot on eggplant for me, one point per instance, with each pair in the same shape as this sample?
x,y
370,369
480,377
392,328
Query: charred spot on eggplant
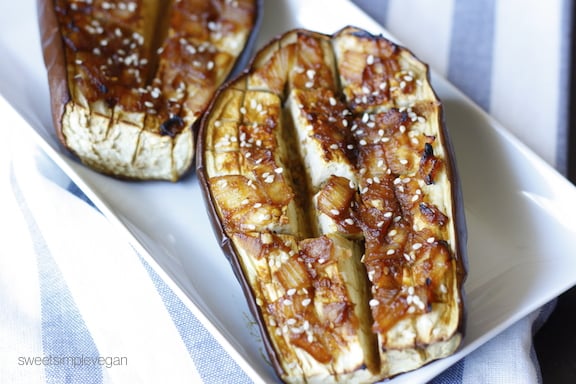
x,y
331,183
172,126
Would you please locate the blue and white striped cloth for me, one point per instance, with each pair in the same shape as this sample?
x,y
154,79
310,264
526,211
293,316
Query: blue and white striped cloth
x,y
108,317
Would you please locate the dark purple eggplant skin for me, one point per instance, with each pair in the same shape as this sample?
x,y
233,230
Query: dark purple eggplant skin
x,y
225,243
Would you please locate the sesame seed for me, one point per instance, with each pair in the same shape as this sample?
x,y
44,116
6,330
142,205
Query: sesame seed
x,y
334,211
390,252
291,291
373,302
257,205
430,240
370,60
392,233
349,221
306,302
416,246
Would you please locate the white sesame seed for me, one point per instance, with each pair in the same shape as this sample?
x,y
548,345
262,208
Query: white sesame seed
x,y
334,211
416,246
391,252
306,302
373,302
370,60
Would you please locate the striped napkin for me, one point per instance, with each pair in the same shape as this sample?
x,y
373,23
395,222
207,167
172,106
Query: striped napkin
x,y
108,317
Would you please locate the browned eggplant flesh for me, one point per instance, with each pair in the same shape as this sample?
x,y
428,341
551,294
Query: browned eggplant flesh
x,y
331,182
128,79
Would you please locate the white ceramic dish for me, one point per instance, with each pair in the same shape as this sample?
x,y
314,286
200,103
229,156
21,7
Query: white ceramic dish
x,y
519,210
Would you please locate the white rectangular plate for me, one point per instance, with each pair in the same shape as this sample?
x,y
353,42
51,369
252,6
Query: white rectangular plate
x,y
519,210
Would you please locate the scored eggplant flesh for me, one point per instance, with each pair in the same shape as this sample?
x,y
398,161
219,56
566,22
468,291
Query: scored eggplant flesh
x,y
128,79
331,182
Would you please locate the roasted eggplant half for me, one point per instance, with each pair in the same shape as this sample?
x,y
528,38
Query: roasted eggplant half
x,y
129,79
332,187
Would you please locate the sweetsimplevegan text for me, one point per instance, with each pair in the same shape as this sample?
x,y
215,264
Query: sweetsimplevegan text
x,y
74,361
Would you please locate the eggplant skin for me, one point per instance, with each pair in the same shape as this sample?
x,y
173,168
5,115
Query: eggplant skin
x,y
331,184
129,81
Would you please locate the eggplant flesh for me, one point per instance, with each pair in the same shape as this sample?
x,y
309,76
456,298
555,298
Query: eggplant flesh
x,y
129,79
331,182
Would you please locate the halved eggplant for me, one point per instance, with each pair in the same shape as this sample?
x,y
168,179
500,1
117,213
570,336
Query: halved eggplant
x,y
331,183
129,79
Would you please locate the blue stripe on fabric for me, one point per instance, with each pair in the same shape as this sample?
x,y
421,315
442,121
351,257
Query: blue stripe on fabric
x,y
452,375
68,349
471,45
213,363
73,189
378,13
562,131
